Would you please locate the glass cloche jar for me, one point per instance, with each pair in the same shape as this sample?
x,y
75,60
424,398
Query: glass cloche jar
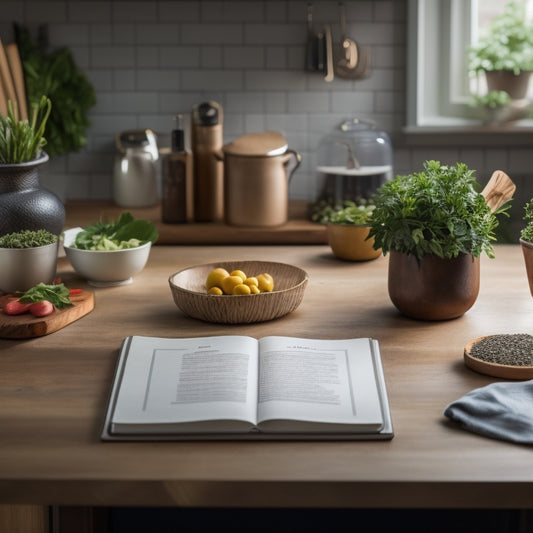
x,y
353,161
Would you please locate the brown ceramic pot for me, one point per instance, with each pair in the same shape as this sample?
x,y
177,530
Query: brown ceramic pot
x,y
508,81
433,288
527,251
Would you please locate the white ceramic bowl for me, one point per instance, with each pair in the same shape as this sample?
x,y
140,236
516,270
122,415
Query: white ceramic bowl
x,y
107,267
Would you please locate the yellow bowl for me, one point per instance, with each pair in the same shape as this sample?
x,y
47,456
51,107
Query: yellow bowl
x,y
190,294
349,242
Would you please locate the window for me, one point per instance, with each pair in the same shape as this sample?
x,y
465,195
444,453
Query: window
x,y
439,86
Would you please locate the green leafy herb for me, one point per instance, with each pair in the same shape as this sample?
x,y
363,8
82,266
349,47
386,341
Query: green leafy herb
x,y
438,211
55,74
57,294
493,99
527,232
353,214
508,45
21,140
27,239
127,232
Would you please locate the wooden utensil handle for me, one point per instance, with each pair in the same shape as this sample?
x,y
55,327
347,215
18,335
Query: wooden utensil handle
x,y
499,190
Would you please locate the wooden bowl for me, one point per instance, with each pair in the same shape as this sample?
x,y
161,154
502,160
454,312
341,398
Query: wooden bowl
x,y
494,369
190,294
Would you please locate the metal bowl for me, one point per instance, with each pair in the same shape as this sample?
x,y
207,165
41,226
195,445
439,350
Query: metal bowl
x,y
23,268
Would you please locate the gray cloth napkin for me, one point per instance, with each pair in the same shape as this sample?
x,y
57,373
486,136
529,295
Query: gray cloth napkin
x,y
499,410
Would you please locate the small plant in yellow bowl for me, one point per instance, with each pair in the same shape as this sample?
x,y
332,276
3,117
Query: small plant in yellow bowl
x,y
348,230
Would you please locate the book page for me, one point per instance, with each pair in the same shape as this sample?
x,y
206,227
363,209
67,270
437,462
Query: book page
x,y
319,381
170,381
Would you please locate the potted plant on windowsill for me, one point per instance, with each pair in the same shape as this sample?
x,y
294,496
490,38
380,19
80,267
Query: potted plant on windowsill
x,y
497,106
23,203
435,225
505,54
348,228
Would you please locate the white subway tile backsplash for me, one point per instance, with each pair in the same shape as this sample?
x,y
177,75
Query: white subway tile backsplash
x,y
123,34
352,102
273,80
151,59
242,57
275,57
219,34
39,12
158,34
157,80
100,34
278,34
89,11
218,80
182,11
211,57
112,56
179,56
145,11
306,102
68,34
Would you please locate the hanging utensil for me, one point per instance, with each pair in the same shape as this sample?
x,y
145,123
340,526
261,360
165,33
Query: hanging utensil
x,y
312,42
349,47
330,74
348,54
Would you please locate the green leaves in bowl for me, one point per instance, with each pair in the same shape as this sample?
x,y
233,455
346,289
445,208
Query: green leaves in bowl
x,y
126,232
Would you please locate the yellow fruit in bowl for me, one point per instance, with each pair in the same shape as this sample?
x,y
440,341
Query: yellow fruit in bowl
x,y
239,273
265,282
254,289
241,288
251,281
230,282
215,278
216,291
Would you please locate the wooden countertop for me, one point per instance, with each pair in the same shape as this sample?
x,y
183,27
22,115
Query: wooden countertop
x,y
298,229
54,392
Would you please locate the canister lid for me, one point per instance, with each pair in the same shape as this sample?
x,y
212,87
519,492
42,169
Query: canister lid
x,y
266,143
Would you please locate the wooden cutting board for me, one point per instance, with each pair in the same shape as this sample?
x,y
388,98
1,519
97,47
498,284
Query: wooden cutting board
x,y
26,325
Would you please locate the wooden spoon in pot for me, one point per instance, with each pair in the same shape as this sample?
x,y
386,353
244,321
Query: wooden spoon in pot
x,y
499,189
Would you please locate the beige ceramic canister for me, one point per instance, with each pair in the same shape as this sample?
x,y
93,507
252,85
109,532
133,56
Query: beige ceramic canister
x,y
256,179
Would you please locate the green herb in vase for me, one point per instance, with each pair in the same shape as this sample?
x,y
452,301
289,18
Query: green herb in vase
x,y
22,140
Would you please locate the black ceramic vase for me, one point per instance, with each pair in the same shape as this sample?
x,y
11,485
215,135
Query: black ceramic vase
x,y
24,204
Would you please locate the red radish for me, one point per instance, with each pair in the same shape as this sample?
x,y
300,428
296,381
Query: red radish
x,y
16,308
43,308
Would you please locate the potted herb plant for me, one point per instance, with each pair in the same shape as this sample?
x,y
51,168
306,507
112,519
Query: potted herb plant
x,y
526,242
497,106
348,229
435,225
505,54
23,203
27,258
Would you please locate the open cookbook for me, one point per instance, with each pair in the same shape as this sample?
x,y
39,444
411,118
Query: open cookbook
x,y
239,387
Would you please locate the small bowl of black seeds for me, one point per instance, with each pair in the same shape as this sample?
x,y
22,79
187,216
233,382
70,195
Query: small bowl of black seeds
x,y
507,356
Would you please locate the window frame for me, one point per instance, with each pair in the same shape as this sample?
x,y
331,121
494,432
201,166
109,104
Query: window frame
x,y
438,32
